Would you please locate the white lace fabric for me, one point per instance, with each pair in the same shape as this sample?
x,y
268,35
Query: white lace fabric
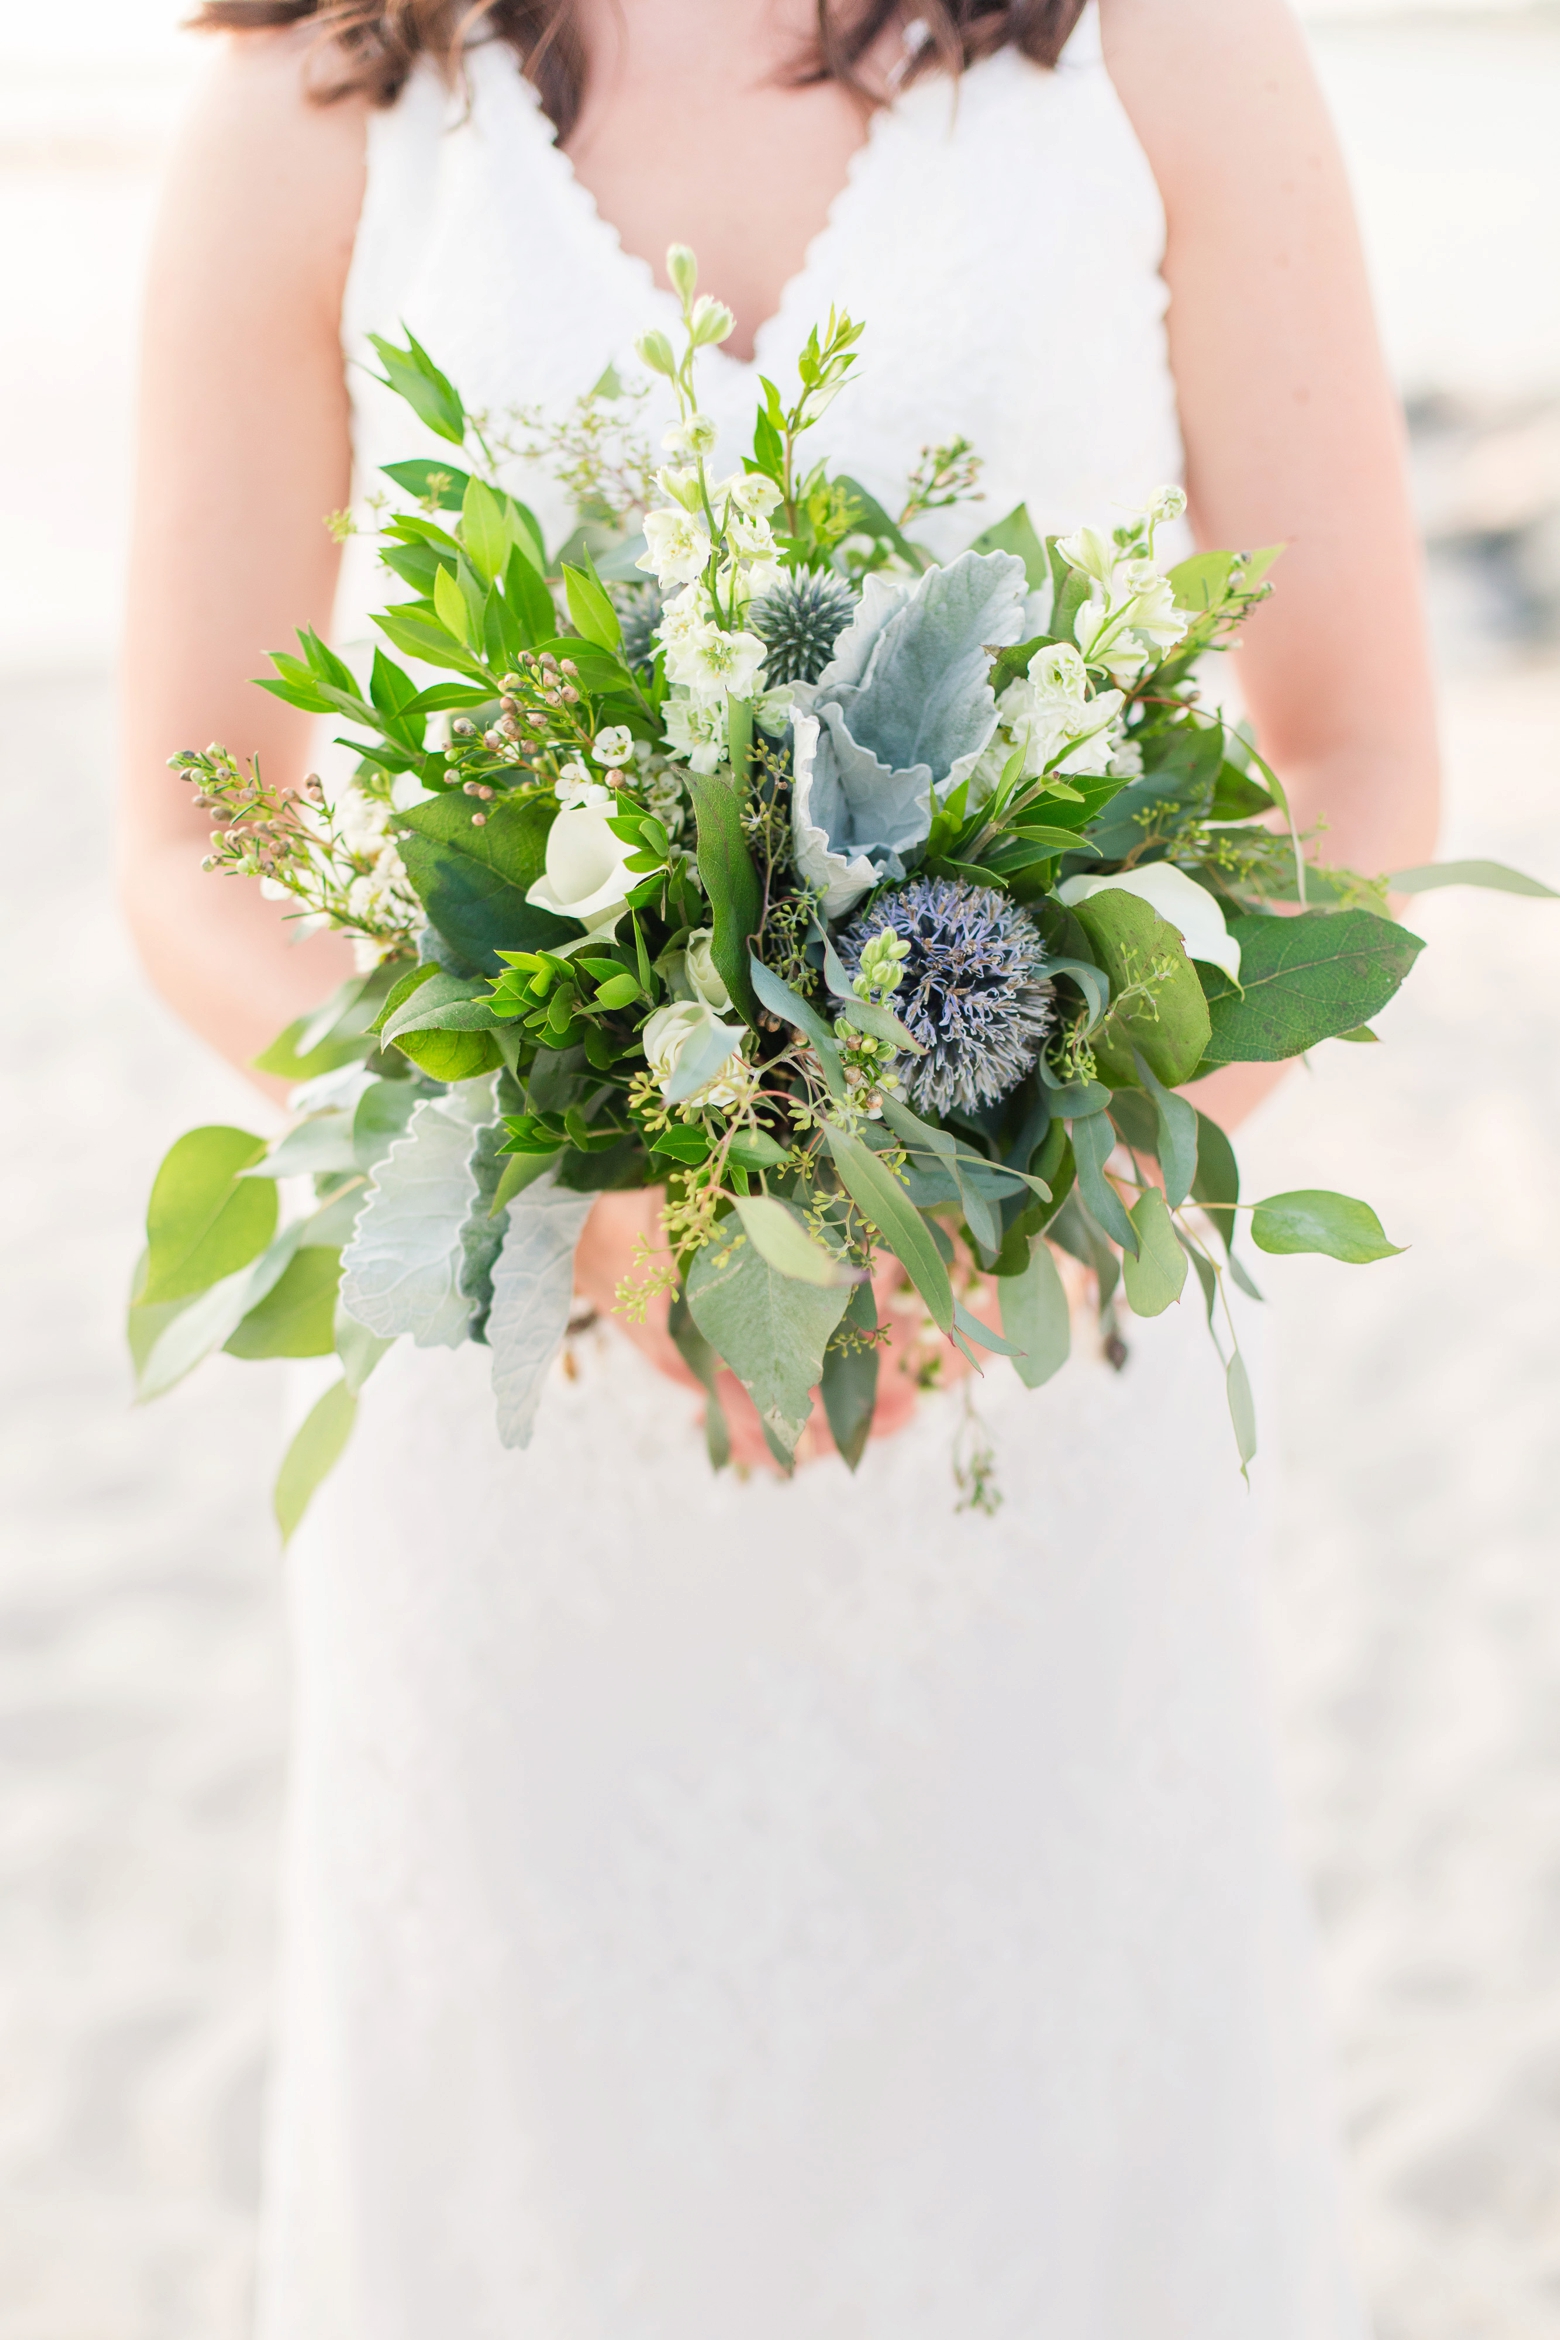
x,y
762,1911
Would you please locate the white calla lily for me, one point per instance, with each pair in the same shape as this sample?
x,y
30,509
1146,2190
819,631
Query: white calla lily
x,y
1180,901
585,876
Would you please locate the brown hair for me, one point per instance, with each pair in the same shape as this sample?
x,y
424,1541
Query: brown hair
x,y
377,41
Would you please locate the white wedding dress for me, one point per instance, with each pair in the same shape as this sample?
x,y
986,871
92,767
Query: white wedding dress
x,y
727,1911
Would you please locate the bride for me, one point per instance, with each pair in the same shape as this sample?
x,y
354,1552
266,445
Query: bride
x,y
728,1909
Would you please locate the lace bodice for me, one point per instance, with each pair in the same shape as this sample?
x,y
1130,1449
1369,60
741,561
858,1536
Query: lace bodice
x,y
1001,237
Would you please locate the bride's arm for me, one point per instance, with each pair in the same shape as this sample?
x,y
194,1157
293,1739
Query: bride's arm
x,y
1292,430
243,449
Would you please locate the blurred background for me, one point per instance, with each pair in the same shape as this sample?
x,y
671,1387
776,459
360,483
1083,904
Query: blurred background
x,y
1416,1599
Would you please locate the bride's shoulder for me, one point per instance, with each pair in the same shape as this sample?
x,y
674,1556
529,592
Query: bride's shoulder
x,y
271,164
1216,93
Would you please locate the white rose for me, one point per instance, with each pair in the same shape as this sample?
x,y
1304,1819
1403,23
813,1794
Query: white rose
x,y
1179,900
677,547
585,877
685,1047
703,974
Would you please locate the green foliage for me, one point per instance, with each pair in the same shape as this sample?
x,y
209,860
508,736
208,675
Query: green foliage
x,y
1303,980
297,1317
205,1220
1036,1317
1312,1219
1153,1278
473,880
850,1376
1157,1006
313,1455
731,882
771,1330
883,1202
432,397
1016,534
1492,874
777,1232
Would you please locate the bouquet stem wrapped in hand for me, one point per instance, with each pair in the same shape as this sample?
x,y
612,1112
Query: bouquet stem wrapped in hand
x,y
869,905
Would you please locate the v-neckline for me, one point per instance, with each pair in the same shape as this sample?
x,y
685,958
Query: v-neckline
x,y
823,237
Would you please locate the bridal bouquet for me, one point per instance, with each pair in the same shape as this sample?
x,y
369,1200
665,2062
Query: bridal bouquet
x,y
862,902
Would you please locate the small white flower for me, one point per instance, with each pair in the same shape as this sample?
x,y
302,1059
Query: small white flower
x,y
362,821
1168,503
1092,551
696,731
690,439
708,661
613,744
1179,900
1126,762
690,1028
577,791
585,877
677,547
753,493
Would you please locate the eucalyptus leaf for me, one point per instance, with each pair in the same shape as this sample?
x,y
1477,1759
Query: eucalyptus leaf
x,y
776,1229
731,882
1036,1317
792,1009
533,1284
1167,1021
314,1453
1303,980
198,1326
771,1331
1093,1141
1177,1126
313,1149
204,1220
1154,1278
1313,1219
297,1316
1243,1411
878,1194
705,1367
1492,874
850,1377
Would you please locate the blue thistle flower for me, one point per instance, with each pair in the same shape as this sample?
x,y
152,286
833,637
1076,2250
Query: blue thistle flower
x,y
799,621
973,989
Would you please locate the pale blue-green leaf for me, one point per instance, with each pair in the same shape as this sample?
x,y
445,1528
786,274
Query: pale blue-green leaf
x,y
1155,1277
1243,1411
533,1283
981,1334
401,1272
212,1318
771,1330
1036,1317
358,1348
314,1453
1093,1140
1090,981
791,1008
775,1229
1492,874
315,1149
1177,1120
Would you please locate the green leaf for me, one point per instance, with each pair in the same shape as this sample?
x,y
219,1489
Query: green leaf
x,y
1177,1126
771,1331
473,881
1312,1219
1362,1036
731,882
777,1231
452,1057
454,611
485,533
313,1149
850,1379
590,609
705,1367
1154,1279
1168,1024
313,1455
204,1220
358,1348
878,1194
882,1023
520,1171
754,1149
297,1317
284,1060
1302,980
430,481
1016,534
1492,874
980,1335
1243,1412
792,1009
1036,1317
413,630
1217,1182
532,604
379,1118
432,397
1201,582
1093,1140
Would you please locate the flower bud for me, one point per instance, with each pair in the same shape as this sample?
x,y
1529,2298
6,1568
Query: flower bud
x,y
710,320
683,269
1168,504
655,351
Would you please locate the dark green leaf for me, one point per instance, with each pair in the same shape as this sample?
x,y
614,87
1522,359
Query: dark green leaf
x,y
1093,1140
473,881
1176,1145
430,482
850,1378
1036,1317
1169,1021
1303,980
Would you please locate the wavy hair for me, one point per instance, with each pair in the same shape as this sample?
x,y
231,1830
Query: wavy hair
x,y
373,44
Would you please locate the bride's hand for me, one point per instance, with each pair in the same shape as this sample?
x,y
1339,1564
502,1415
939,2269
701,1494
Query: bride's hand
x,y
910,1358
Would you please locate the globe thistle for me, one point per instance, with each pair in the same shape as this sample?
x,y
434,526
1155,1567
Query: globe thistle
x,y
972,988
799,621
639,612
